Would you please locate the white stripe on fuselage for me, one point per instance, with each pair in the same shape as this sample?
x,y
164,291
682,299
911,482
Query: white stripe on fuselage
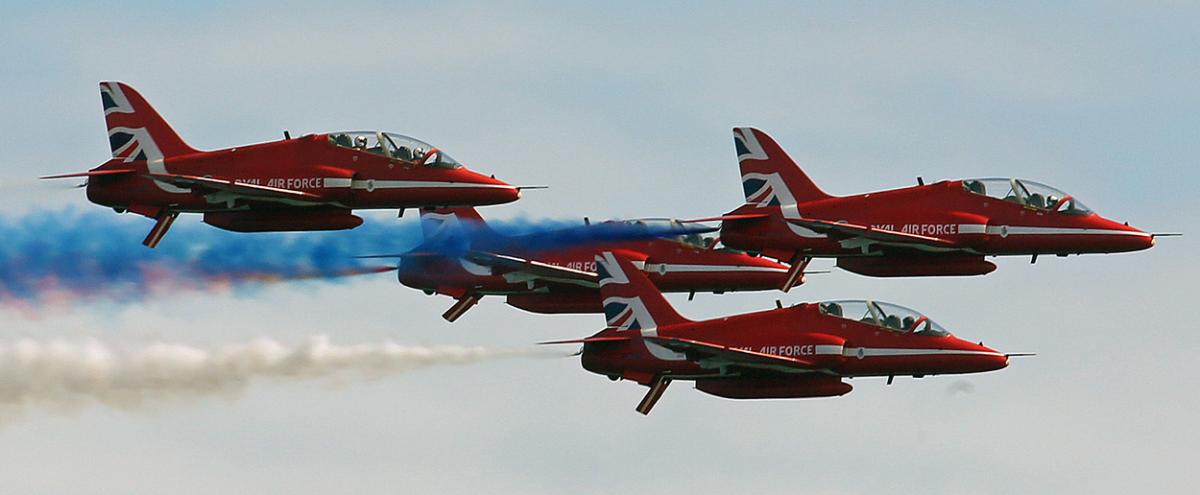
x,y
828,349
885,352
367,184
684,268
1020,230
416,184
1005,230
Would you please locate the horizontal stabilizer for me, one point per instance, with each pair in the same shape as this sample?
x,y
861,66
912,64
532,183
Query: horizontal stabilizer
x,y
723,218
410,254
611,338
91,173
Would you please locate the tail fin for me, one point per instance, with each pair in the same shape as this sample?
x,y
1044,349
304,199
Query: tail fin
x,y
446,222
135,130
769,176
631,301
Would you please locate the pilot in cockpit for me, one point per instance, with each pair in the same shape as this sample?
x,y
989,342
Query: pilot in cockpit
x,y
403,153
1036,200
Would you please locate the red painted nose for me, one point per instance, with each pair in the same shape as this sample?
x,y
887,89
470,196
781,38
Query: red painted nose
x,y
987,359
492,191
1120,237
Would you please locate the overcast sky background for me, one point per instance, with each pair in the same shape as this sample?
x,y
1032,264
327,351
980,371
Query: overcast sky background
x,y
625,110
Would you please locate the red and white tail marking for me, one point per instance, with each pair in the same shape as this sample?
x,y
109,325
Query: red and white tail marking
x,y
769,176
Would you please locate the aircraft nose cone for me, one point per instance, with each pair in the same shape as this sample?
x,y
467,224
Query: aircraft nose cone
x,y
512,194
1136,240
989,359
1126,238
993,363
977,358
496,191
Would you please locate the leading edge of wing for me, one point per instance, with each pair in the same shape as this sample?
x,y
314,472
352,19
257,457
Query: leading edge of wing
x,y
241,188
535,268
871,233
732,355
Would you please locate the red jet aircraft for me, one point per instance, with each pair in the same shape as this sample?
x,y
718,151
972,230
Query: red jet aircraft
x,y
945,228
308,183
796,352
554,272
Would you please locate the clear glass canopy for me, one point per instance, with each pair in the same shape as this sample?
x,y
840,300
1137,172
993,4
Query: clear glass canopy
x,y
394,146
890,316
692,232
1027,193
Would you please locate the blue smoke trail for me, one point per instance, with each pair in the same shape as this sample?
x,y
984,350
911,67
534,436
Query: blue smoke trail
x,y
98,254
533,236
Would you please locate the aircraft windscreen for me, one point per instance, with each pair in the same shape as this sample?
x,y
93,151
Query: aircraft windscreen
x,y
368,141
1028,193
692,239
889,316
415,149
395,146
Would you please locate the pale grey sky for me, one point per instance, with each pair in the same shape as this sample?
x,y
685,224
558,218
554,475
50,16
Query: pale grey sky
x,y
625,110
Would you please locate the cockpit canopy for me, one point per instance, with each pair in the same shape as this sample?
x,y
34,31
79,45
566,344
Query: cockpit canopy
x,y
1027,193
889,316
689,233
394,146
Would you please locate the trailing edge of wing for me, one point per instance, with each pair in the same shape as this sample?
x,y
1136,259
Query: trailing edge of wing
x,y
239,188
871,233
697,351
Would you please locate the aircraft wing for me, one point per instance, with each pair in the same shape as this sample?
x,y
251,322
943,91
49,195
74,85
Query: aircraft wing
x,y
248,191
872,235
706,353
535,269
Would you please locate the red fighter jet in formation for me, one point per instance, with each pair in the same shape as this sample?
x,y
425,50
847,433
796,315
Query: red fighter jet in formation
x,y
554,271
945,228
309,183
796,352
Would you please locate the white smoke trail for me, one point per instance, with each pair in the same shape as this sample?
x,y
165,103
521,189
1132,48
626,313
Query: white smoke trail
x,y
71,374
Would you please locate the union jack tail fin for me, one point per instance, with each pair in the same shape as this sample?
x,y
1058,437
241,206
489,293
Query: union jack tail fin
x,y
769,176
446,222
631,301
135,130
